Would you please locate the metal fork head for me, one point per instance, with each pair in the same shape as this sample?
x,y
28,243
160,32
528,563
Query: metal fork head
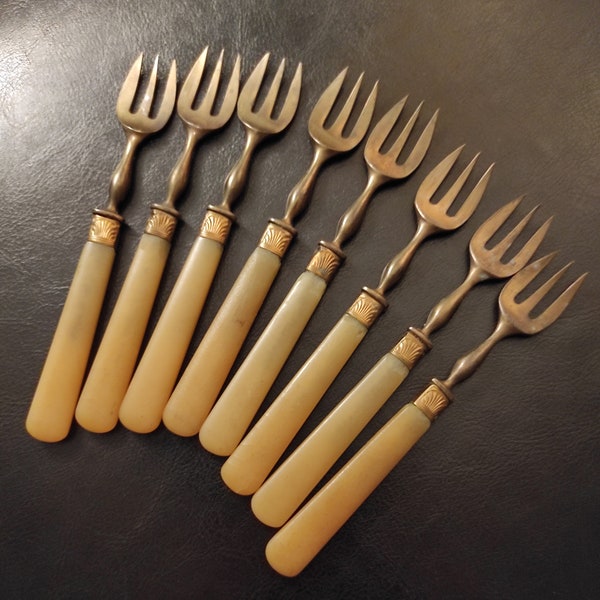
x,y
333,137
436,214
203,116
384,165
140,121
489,261
261,119
517,315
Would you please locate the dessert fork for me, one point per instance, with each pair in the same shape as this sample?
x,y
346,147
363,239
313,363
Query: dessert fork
x,y
229,419
51,412
155,376
250,463
111,370
201,382
300,540
282,493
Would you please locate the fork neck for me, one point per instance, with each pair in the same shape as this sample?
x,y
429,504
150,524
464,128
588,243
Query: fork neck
x,y
236,180
120,182
395,269
299,198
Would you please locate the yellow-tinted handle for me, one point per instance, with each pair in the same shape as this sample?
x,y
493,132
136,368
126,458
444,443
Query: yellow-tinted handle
x,y
305,534
252,461
232,414
201,382
283,492
157,371
105,387
51,412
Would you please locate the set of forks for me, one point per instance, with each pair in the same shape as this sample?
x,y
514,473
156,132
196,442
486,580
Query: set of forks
x,y
197,403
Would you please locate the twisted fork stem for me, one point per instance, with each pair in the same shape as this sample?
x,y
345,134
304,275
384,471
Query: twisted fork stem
x,y
396,268
442,312
465,366
120,181
299,197
236,180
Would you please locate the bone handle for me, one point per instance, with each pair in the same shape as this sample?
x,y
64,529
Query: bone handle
x,y
252,461
305,534
115,360
279,497
51,411
201,382
232,414
159,366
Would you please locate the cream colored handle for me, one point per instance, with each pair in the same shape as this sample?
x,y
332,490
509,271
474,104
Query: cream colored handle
x,y
111,370
252,461
305,534
51,412
283,492
157,371
232,414
201,382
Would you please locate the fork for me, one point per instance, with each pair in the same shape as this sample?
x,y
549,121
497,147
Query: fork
x,y
250,463
300,540
155,376
281,494
51,412
201,382
230,417
113,365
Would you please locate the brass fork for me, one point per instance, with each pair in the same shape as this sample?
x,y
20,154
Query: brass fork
x,y
51,412
282,493
300,540
201,382
155,376
234,410
113,365
250,463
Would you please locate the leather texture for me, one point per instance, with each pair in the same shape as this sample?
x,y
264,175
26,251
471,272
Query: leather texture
x,y
500,499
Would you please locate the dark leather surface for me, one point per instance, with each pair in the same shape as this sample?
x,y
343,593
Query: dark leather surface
x,y
500,499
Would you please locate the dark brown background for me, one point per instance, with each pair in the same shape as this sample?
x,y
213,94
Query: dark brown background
x,y
500,499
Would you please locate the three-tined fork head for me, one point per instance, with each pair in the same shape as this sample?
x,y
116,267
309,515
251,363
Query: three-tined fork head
x,y
141,122
204,117
261,119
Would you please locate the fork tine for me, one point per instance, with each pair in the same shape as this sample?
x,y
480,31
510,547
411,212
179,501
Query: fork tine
x,y
326,101
293,96
269,101
213,84
558,306
502,246
434,179
451,194
250,90
362,123
420,148
146,102
397,146
192,81
472,202
129,87
383,127
489,227
168,100
532,244
525,276
342,118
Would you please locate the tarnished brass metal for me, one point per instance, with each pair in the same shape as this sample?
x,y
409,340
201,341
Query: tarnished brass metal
x,y
104,228
161,223
433,400
216,224
367,307
411,347
277,237
325,261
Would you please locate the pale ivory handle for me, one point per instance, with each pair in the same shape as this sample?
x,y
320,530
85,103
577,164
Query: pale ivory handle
x,y
51,412
105,387
252,461
201,382
232,414
157,371
303,536
283,492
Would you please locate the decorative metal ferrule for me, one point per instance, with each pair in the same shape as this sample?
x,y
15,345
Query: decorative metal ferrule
x,y
325,261
162,222
277,237
367,307
216,224
411,347
105,228
434,399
